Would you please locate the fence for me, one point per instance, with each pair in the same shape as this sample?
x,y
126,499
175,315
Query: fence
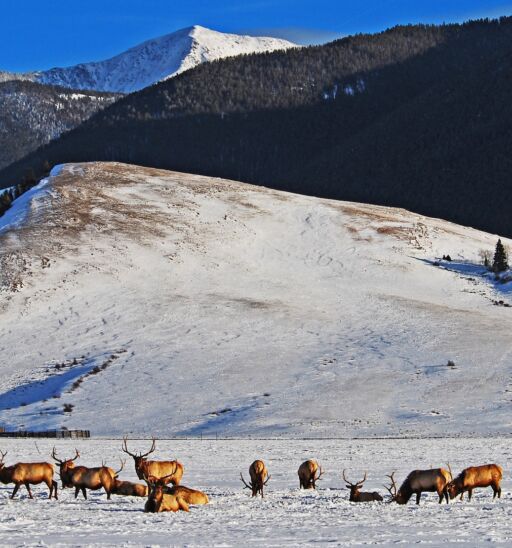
x,y
73,434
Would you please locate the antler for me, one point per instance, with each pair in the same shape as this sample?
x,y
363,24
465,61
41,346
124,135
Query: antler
x,y
320,474
266,481
3,457
123,462
450,469
153,447
392,488
124,447
357,483
245,483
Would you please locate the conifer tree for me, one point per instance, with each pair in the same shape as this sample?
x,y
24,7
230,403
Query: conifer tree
x,y
500,262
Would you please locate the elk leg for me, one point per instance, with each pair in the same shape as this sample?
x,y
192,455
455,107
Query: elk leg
x,y
15,490
418,496
77,490
499,491
446,496
29,491
462,495
470,494
84,492
55,486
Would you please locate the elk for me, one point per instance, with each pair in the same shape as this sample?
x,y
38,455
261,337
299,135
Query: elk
x,y
159,500
173,470
487,475
27,474
259,477
309,473
83,477
419,481
190,496
129,489
355,491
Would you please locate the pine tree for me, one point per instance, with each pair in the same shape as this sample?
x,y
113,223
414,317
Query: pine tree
x,y
500,262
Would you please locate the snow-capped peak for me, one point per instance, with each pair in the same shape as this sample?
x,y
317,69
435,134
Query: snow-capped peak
x,y
158,59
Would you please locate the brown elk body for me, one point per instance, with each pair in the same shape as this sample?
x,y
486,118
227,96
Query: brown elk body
x,y
144,468
356,495
309,473
487,475
259,477
27,474
160,501
129,489
190,496
421,481
83,477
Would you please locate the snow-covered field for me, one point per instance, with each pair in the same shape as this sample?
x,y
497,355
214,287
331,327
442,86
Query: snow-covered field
x,y
163,303
286,516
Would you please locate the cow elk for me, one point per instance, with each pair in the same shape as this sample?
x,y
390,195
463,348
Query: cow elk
x,y
487,475
128,488
356,495
27,474
83,477
420,481
172,470
259,477
190,496
309,473
159,500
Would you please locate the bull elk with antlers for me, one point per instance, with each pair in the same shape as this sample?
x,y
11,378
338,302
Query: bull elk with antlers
x,y
159,500
259,477
356,495
420,481
83,477
27,474
487,475
309,473
144,468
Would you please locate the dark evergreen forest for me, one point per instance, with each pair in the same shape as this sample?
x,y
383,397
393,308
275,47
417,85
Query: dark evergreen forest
x,y
418,117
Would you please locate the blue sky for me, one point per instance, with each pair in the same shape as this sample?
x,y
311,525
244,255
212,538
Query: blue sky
x,y
39,34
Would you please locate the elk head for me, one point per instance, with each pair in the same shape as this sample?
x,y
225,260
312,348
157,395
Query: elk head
x,y
139,459
156,491
65,467
355,488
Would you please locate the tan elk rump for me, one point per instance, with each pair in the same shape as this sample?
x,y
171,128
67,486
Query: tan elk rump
x,y
27,474
259,477
487,475
83,477
309,473
144,468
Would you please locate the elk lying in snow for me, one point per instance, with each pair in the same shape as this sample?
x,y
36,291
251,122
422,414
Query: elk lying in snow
x,y
190,496
27,474
355,491
128,488
259,477
309,473
159,500
419,481
82,477
173,470
487,475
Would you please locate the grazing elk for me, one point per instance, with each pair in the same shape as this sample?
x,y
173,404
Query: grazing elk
x,y
355,491
487,475
83,477
172,470
259,477
27,474
159,500
419,481
129,489
190,496
309,473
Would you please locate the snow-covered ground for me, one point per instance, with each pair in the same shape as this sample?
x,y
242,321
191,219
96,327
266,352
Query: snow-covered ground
x,y
173,304
286,516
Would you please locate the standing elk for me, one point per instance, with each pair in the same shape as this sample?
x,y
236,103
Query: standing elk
x,y
419,481
259,477
27,474
172,470
309,473
129,489
159,500
83,477
487,475
355,491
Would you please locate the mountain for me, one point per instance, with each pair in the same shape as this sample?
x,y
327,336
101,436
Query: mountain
x,y
32,114
175,304
157,59
416,117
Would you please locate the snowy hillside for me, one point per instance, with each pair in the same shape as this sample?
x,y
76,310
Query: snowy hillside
x,y
175,304
158,59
